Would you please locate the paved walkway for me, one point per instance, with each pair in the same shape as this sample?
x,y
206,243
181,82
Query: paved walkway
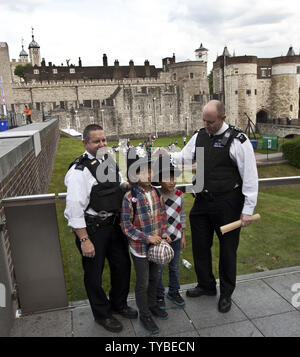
x,y
270,158
262,306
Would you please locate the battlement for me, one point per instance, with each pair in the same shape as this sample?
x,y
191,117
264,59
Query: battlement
x,y
90,82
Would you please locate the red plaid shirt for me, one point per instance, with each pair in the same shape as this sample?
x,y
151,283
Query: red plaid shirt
x,y
146,223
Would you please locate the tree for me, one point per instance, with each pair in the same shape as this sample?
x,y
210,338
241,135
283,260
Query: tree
x,y
19,71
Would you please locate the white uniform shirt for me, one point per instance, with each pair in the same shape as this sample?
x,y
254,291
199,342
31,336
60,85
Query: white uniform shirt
x,y
242,154
79,185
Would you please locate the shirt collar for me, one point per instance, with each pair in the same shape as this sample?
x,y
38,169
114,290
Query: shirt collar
x,y
91,157
223,128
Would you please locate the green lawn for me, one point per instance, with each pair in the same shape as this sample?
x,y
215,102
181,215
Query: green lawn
x,y
271,243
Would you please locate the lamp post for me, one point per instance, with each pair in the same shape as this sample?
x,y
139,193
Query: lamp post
x,y
187,126
155,120
102,118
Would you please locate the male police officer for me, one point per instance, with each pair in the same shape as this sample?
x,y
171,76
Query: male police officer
x,y
92,210
229,193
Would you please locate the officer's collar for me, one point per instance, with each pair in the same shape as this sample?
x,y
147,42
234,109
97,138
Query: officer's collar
x,y
92,157
223,128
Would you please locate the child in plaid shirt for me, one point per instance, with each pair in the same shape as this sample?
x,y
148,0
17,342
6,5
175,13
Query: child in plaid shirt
x,y
147,225
165,174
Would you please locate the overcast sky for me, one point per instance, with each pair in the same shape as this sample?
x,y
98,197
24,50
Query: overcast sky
x,y
149,29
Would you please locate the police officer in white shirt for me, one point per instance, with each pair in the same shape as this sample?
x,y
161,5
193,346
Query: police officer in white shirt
x,y
92,210
229,193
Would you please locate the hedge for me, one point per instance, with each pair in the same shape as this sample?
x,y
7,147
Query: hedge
x,y
291,151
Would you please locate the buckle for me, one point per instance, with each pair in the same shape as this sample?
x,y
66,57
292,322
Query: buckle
x,y
103,215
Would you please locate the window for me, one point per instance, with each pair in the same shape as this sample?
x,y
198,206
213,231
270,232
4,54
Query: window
x,y
36,71
174,76
255,91
62,105
236,92
171,119
87,103
291,107
191,75
298,69
150,120
264,72
38,106
72,70
96,103
248,91
54,70
236,71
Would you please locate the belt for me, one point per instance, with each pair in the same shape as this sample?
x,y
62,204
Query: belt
x,y
212,196
103,218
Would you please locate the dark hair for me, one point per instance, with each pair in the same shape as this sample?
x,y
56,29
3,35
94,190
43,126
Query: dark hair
x,y
88,129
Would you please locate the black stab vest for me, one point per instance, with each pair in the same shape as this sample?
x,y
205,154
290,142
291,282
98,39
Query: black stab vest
x,y
106,195
220,172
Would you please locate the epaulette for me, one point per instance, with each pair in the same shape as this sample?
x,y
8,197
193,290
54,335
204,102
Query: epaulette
x,y
239,134
79,163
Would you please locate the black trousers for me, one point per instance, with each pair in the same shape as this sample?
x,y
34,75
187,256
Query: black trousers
x,y
206,217
110,243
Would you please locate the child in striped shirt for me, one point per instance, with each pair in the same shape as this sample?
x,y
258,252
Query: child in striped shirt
x,y
144,225
165,175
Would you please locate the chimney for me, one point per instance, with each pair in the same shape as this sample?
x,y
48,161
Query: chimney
x,y
147,68
79,62
131,73
117,72
104,60
50,64
43,63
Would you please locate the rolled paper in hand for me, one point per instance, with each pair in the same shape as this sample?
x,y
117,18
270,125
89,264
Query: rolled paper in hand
x,y
236,224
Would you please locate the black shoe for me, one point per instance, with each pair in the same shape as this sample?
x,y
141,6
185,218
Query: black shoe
x,y
176,298
161,302
197,291
224,304
110,324
149,324
127,312
159,313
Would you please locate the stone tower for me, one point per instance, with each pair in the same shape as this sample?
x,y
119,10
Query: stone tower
x,y
6,78
23,56
201,54
285,87
34,52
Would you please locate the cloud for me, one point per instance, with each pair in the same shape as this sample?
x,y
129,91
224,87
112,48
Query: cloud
x,y
22,5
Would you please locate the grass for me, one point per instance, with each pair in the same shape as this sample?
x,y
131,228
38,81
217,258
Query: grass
x,y
271,243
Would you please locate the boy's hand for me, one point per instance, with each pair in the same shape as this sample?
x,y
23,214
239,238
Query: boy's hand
x,y
183,243
183,240
155,239
167,237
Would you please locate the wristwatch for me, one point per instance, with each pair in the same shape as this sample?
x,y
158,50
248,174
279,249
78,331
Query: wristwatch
x,y
83,239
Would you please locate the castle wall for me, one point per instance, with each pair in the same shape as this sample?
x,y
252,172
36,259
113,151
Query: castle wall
x,y
240,93
127,107
264,98
285,91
